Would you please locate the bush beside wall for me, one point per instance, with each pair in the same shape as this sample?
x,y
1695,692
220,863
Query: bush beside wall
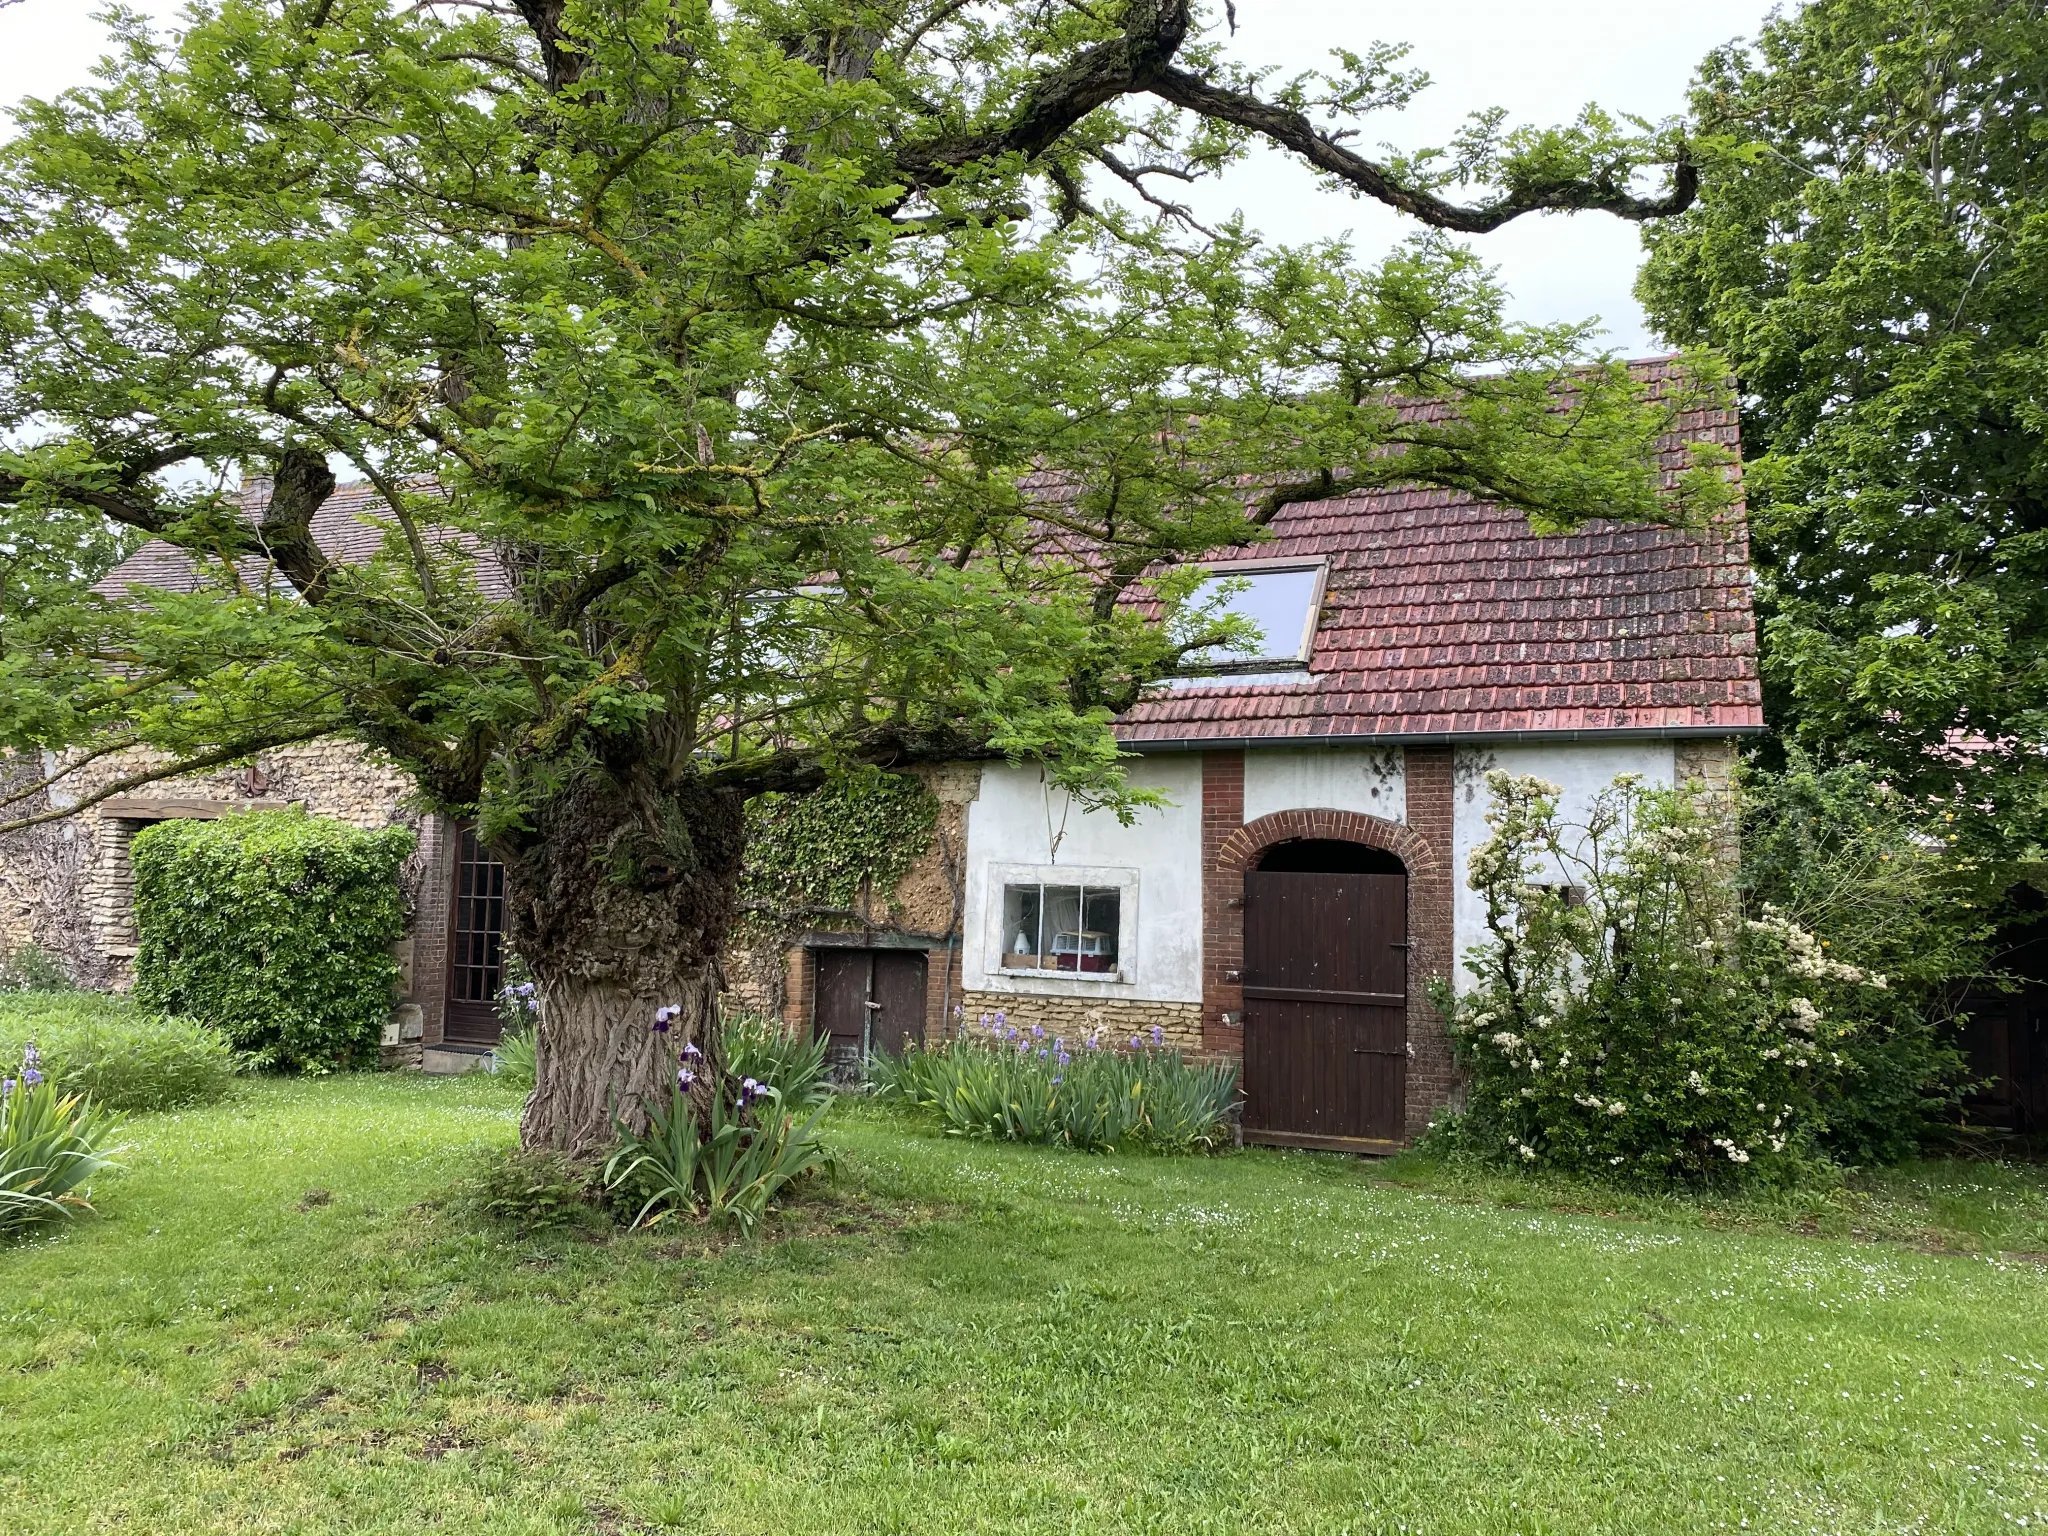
x,y
276,928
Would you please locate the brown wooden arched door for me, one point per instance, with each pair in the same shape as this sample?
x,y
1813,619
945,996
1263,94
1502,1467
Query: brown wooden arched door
x,y
1326,1002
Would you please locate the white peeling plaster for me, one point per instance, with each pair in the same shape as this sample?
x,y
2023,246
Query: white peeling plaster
x,y
1367,780
1581,770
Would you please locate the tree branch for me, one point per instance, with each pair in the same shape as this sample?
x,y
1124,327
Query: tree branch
x,y
300,488
1292,129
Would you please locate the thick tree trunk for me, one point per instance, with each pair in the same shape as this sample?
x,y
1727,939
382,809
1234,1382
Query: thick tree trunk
x,y
619,901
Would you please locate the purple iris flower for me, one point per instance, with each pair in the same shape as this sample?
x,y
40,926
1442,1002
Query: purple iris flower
x,y
30,1077
1002,1015
6,1087
690,1049
1038,1032
1158,1035
1064,1058
663,1015
1134,1042
1042,1053
685,1078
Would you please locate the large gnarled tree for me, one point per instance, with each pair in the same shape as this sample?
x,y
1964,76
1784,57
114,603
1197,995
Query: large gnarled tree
x,y
712,365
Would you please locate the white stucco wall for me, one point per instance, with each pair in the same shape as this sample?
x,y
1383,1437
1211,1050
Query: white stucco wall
x,y
1580,770
1328,778
1157,861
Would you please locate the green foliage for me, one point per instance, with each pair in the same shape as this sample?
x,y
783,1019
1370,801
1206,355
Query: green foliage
x,y
120,1056
719,386
1883,883
274,927
732,1168
761,1049
31,968
513,1057
1623,1019
1017,1085
1866,253
51,1145
813,855
534,1191
46,555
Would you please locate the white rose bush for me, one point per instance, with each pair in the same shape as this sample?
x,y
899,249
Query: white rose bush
x,y
1622,1017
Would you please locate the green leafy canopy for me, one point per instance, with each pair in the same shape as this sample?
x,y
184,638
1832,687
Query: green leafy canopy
x,y
746,392
1870,252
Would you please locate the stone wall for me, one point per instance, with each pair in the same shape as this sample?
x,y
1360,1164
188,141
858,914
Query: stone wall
x,y
1708,763
43,874
774,975
1075,1018
68,885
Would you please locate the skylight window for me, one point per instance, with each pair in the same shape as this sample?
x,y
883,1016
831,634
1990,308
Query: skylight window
x,y
1282,601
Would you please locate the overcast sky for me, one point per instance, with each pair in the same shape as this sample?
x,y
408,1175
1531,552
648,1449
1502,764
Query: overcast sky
x,y
1540,61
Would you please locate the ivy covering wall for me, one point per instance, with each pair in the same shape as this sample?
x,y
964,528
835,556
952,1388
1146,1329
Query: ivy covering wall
x,y
810,858
275,927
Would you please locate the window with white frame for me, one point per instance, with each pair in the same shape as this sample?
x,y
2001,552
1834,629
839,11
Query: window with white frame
x,y
1073,930
1281,602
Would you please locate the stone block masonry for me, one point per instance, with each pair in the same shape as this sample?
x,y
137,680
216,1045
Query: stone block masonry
x,y
70,885
1075,1018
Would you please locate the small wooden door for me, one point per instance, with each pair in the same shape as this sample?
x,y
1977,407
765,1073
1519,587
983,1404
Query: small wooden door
x,y
1326,1009
870,999
476,943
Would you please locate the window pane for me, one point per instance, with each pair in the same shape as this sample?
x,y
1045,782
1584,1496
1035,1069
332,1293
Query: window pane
x,y
1021,942
1062,924
1101,918
1276,601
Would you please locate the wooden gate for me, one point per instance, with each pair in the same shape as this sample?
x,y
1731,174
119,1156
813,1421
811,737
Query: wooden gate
x,y
1326,1010
870,999
476,943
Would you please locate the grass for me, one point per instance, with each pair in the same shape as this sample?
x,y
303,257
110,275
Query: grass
x,y
282,1323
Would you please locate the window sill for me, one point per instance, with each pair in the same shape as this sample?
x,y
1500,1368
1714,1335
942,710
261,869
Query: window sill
x,y
1101,976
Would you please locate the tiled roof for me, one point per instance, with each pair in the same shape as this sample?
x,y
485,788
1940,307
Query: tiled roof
x,y
350,527
1443,617
1446,617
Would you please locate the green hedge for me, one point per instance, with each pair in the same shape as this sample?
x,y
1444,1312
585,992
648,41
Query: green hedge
x,y
121,1057
276,928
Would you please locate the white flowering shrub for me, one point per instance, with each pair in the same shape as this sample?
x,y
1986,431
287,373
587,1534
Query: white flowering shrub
x,y
1623,1018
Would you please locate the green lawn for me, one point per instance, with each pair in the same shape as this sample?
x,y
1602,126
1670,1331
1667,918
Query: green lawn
x,y
964,1337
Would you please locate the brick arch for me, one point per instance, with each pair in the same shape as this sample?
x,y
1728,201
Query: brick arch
x,y
1423,844
1242,848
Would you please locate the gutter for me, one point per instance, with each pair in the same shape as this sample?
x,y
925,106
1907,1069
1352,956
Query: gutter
x,y
1442,738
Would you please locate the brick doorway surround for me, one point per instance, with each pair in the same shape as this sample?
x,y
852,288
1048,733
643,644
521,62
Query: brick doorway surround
x,y
1231,846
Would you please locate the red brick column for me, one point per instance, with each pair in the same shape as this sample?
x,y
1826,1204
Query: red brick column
x,y
1222,904
943,980
1432,1078
796,989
